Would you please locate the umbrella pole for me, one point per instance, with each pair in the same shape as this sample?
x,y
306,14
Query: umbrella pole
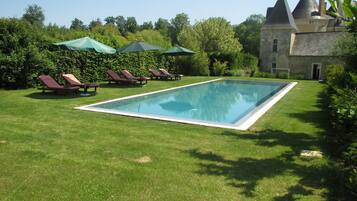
x,y
98,59
139,60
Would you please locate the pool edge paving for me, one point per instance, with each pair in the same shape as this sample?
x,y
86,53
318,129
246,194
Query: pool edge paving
x,y
242,124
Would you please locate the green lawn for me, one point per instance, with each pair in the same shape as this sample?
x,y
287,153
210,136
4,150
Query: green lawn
x,y
49,151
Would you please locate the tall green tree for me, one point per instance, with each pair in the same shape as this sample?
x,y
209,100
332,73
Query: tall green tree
x,y
34,14
248,34
163,25
95,23
120,21
178,24
212,36
110,20
77,24
150,36
208,38
147,26
131,24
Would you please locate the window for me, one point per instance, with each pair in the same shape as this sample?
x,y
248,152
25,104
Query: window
x,y
275,45
273,65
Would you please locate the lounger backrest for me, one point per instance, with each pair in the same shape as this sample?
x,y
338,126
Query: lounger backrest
x,y
127,74
49,81
164,71
113,75
71,79
155,72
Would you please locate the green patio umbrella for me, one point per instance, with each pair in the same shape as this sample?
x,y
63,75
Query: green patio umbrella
x,y
86,44
178,51
138,47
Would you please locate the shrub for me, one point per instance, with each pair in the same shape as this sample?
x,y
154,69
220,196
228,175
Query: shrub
x,y
219,68
20,53
199,64
335,75
250,62
342,106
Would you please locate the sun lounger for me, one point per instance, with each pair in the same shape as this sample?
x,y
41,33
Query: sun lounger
x,y
51,84
130,76
74,82
114,77
155,74
172,76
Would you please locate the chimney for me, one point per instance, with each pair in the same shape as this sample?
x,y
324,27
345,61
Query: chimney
x,y
322,8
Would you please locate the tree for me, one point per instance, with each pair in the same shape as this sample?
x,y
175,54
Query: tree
x,y
347,46
147,26
131,24
178,24
150,36
95,23
121,24
110,20
34,15
248,33
209,38
212,36
163,26
21,56
77,24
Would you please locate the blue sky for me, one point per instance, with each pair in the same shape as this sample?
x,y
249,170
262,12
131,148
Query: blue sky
x,y
62,12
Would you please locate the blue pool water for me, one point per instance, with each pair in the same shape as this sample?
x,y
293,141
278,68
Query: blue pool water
x,y
222,102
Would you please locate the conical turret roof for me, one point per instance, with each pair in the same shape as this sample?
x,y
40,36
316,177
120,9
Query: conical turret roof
x,y
281,15
305,9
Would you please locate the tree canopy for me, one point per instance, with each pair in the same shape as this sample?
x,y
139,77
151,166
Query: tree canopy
x,y
34,14
77,24
178,24
212,35
248,33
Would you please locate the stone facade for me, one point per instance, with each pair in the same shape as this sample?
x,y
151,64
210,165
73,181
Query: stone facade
x,y
301,41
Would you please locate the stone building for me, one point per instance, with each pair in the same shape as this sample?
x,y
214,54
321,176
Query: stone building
x,y
302,41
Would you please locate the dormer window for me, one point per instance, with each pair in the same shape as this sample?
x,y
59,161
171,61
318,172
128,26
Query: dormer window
x,y
275,45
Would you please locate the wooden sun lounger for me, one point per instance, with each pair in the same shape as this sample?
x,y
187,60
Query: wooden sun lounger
x,y
130,76
51,84
74,82
155,74
172,76
114,77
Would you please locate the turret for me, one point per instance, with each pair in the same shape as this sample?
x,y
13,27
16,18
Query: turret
x,y
277,35
311,17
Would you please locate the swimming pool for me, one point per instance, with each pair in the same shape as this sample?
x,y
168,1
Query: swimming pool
x,y
224,103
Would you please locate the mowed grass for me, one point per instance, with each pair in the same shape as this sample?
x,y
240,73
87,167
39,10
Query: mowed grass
x,y
49,151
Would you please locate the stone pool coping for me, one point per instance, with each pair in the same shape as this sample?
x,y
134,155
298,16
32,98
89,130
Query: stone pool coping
x,y
243,124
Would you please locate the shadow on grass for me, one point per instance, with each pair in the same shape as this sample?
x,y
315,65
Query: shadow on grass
x,y
245,173
319,119
52,95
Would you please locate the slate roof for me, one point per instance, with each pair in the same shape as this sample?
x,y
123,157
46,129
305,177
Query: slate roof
x,y
315,44
281,15
305,9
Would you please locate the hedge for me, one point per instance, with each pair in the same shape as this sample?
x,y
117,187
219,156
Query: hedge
x,y
342,107
26,53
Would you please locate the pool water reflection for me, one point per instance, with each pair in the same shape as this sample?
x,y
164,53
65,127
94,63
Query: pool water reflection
x,y
223,101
